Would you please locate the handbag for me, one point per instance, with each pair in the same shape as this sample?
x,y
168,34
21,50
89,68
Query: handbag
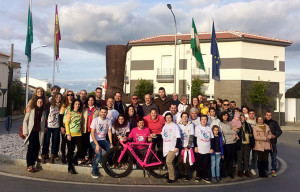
x,y
21,132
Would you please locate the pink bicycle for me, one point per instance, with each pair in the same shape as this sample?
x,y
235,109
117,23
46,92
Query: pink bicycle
x,y
118,161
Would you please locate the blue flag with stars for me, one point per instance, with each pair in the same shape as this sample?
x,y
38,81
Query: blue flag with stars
x,y
216,61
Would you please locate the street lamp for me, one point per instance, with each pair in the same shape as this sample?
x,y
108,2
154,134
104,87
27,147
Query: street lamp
x,y
279,96
27,74
170,7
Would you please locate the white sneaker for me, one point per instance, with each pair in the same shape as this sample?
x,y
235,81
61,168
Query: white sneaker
x,y
252,171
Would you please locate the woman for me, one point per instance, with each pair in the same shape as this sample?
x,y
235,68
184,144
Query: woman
x,y
262,135
171,144
120,130
244,145
33,130
52,128
74,135
230,144
131,116
68,99
195,103
38,93
89,113
245,110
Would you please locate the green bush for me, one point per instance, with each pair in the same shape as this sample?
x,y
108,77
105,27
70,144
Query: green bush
x,y
197,84
258,93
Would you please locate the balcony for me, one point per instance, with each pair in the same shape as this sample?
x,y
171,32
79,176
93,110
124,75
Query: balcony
x,y
203,75
165,75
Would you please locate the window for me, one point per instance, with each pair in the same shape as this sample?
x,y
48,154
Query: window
x,y
276,63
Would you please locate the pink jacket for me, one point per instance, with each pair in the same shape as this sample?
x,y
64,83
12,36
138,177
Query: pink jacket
x,y
261,143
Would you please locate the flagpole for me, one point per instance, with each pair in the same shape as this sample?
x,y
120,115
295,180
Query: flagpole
x,y
27,82
210,71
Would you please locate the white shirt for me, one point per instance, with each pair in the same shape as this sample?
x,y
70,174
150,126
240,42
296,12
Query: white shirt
x,y
196,121
170,133
121,131
203,134
186,131
176,117
112,114
101,128
213,121
182,107
53,117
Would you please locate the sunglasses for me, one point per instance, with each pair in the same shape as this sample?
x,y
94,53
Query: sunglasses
x,y
226,104
70,94
134,98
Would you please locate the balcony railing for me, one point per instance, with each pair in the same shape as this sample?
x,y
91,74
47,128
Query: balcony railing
x,y
165,75
203,75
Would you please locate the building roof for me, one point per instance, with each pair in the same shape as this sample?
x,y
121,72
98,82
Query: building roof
x,y
222,36
2,54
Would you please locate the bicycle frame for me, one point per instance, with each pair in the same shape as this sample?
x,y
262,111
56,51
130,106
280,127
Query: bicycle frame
x,y
142,163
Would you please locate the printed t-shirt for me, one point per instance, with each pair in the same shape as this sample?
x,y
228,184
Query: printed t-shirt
x,y
121,131
185,132
176,117
203,134
53,121
101,128
139,136
170,133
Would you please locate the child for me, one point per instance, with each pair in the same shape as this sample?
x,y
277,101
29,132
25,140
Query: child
x,y
216,151
171,144
236,122
183,104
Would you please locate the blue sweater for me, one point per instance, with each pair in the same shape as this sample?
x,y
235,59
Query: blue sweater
x,y
213,144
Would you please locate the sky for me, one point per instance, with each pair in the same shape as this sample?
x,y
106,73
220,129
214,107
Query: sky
x,y
87,26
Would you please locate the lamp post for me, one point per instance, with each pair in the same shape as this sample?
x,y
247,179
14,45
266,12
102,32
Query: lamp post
x,y
170,7
27,74
279,96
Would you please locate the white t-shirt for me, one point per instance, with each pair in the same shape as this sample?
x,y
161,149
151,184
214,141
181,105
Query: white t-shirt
x,y
53,117
112,114
185,132
122,130
101,128
182,107
196,121
213,121
170,133
176,117
203,134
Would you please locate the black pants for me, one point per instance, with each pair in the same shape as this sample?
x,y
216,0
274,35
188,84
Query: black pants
x,y
63,145
33,148
243,157
230,150
71,148
86,145
202,165
183,168
158,143
262,155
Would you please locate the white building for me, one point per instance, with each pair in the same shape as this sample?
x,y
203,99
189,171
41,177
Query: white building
x,y
3,83
244,58
33,82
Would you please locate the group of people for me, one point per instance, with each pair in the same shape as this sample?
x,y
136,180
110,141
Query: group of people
x,y
207,136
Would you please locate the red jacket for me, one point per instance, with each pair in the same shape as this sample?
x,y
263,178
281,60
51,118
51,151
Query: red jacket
x,y
156,125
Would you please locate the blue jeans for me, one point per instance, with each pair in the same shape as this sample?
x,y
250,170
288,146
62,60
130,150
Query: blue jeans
x,y
215,165
273,157
55,141
104,144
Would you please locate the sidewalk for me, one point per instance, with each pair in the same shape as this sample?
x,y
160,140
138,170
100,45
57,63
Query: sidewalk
x,y
58,173
16,117
290,126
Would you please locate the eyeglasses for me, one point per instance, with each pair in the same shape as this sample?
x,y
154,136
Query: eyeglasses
x,y
70,94
226,104
134,98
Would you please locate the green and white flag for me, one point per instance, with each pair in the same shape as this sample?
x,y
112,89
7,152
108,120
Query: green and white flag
x,y
195,45
29,36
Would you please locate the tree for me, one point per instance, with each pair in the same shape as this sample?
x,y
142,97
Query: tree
x,y
91,93
197,84
16,96
258,93
142,88
293,92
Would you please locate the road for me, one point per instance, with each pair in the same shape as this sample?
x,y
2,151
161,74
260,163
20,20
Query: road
x,y
288,149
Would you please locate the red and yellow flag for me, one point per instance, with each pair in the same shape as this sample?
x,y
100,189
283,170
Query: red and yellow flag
x,y
56,35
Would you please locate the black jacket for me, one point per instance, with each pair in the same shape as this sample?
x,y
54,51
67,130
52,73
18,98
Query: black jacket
x,y
275,129
241,134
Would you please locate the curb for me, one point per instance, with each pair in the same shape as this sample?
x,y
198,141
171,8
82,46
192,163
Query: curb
x,y
282,167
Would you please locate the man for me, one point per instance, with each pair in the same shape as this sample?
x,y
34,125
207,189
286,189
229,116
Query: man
x,y
138,109
183,104
82,97
232,108
99,101
194,116
155,123
226,108
119,105
148,105
204,99
203,135
100,127
173,111
175,99
276,132
163,102
112,114
54,90
253,155
219,103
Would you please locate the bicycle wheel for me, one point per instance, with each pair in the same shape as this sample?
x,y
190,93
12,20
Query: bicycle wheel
x,y
158,171
111,165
